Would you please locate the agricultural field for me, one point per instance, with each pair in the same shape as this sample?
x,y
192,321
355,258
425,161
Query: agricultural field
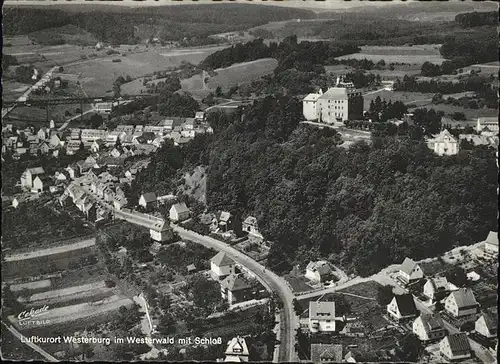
x,y
232,75
417,54
99,74
415,98
470,114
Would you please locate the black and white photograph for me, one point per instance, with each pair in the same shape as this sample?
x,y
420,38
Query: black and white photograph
x,y
289,181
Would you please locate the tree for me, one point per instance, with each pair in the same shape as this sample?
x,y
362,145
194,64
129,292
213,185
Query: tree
x,y
457,276
384,295
218,91
96,120
410,348
166,325
296,307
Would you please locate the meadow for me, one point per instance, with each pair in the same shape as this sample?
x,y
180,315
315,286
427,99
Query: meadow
x,y
417,54
233,75
413,98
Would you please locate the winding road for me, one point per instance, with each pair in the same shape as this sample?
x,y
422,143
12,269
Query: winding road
x,y
289,321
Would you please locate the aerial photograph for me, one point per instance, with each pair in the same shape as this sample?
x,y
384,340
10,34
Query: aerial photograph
x,y
250,181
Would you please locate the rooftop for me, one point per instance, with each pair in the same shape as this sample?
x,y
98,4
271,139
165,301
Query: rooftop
x,y
326,353
458,342
407,266
322,310
221,259
406,304
464,297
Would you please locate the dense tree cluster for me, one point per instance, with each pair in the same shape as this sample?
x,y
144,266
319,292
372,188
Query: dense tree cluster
x,y
480,84
475,19
179,257
303,56
466,48
364,207
8,60
177,104
360,79
381,110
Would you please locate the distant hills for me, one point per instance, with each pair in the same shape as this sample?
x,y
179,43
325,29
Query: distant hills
x,y
115,24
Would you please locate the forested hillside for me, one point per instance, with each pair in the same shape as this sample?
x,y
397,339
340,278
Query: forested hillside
x,y
364,207
174,22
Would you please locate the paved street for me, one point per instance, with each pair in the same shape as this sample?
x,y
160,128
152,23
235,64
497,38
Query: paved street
x,y
289,321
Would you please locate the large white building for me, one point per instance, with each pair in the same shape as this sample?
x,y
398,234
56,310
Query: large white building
x,y
443,143
338,104
321,316
488,122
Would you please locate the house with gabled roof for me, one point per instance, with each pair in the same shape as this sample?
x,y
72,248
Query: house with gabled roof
x,y
410,271
29,175
179,212
319,271
402,308
250,226
147,200
436,288
486,326
237,350
326,353
236,288
455,347
222,221
461,303
429,327
322,316
443,143
221,265
491,243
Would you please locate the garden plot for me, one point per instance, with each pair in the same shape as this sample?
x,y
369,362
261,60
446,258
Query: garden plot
x,y
66,314
51,251
86,292
46,283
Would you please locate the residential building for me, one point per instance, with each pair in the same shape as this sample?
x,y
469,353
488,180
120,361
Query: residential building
x,y
250,226
127,129
191,268
222,221
402,307
461,303
436,288
486,325
319,272
237,350
410,271
443,143
199,116
486,139
310,108
221,266
491,243
148,200
179,212
321,316
73,146
326,353
350,357
89,135
43,133
56,140
489,122
455,347
429,327
97,145
29,175
235,288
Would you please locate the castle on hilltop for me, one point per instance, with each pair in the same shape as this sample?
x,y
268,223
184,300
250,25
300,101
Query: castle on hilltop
x,y
340,103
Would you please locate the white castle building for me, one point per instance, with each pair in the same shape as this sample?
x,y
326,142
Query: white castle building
x,y
338,104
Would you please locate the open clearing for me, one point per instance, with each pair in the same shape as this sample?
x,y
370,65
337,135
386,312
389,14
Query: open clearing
x,y
233,75
417,54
